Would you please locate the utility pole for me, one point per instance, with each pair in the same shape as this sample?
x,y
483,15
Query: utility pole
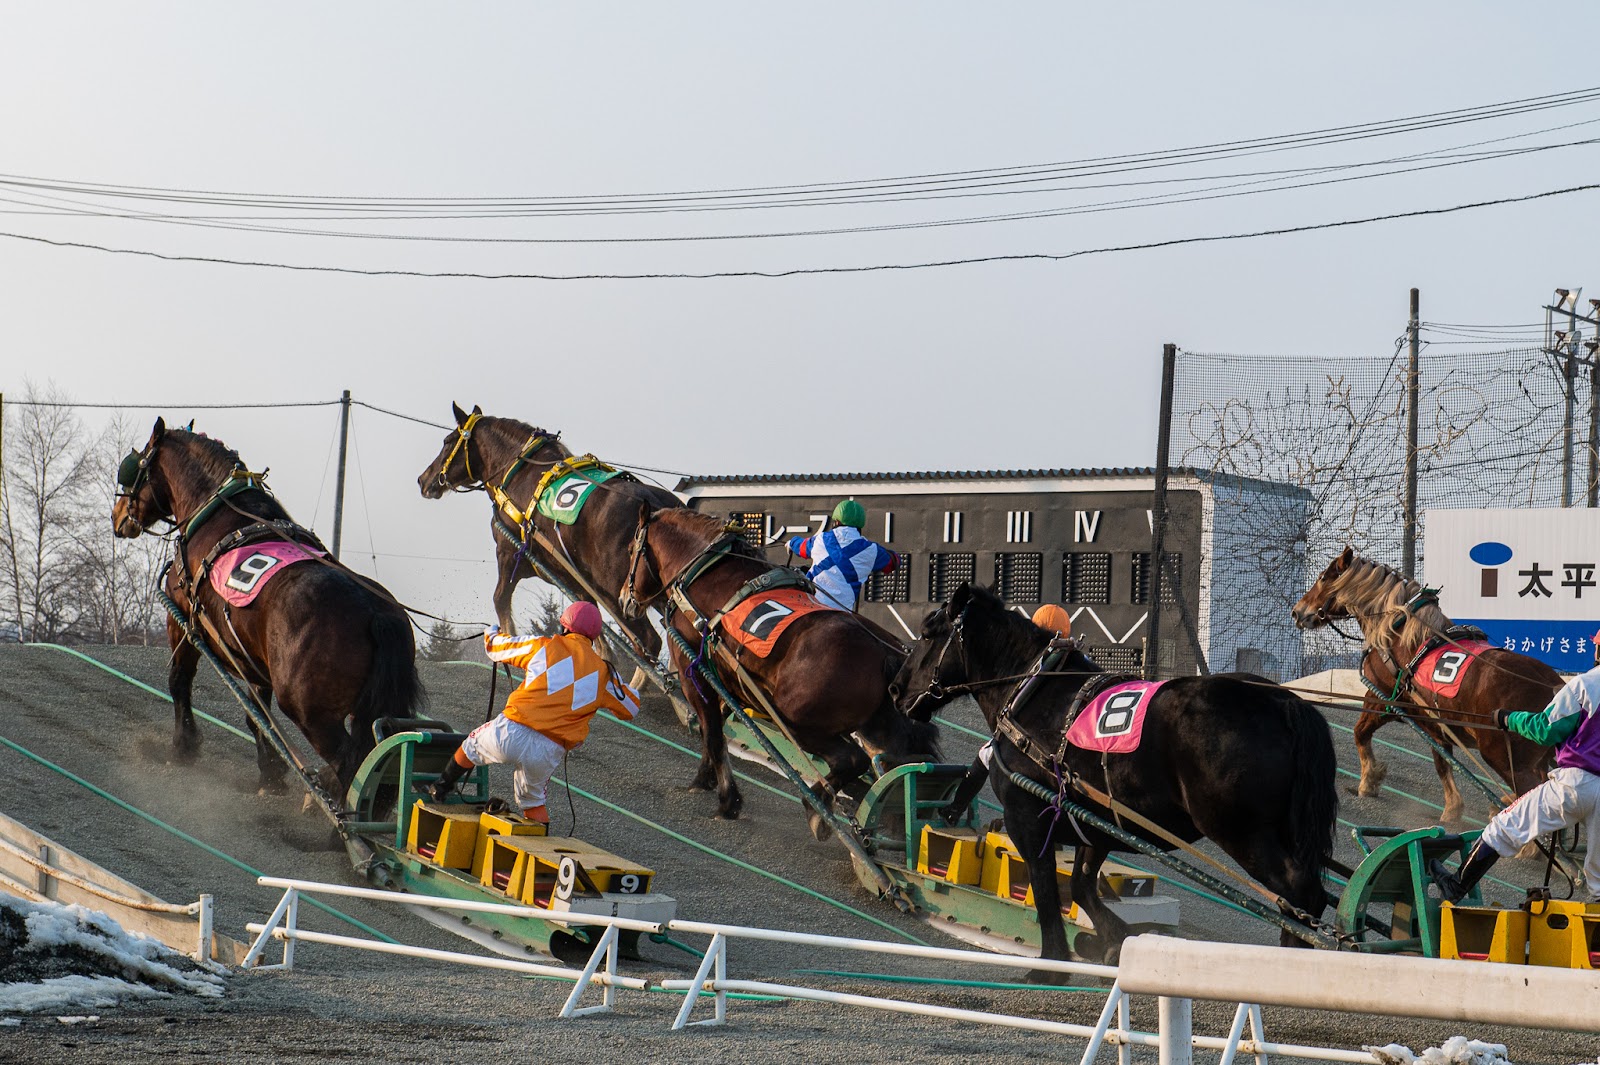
x,y
1593,347
1158,511
338,487
1564,346
1408,537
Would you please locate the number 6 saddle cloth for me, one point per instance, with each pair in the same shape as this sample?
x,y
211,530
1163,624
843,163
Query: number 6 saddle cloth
x,y
1112,719
1443,666
239,575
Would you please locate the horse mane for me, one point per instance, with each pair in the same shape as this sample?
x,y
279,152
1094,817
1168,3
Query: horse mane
x,y
525,427
1372,591
699,523
212,461
1002,636
215,458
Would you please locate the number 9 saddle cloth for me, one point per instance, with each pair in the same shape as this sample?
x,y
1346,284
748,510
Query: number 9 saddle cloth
x,y
240,575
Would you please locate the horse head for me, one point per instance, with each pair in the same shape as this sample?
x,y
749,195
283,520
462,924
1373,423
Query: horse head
x,y
936,669
140,503
1321,603
452,469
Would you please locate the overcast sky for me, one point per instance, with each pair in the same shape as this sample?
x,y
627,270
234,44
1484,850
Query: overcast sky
x,y
1016,364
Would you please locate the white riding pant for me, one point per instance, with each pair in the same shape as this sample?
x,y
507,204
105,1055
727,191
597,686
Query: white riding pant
x,y
502,741
1570,795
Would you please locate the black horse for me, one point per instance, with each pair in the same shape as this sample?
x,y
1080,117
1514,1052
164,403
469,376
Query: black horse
x,y
1234,758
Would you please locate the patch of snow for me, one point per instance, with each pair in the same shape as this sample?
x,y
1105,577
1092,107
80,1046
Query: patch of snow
x,y
90,960
10,1022
71,992
90,1019
1457,1050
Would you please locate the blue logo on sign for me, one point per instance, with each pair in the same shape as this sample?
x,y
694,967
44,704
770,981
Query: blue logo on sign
x,y
1490,553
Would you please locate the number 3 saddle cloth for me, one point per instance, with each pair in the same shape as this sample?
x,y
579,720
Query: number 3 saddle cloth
x,y
1441,669
239,575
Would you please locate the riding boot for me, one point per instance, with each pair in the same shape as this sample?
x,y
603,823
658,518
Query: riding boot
x,y
441,790
976,776
1453,886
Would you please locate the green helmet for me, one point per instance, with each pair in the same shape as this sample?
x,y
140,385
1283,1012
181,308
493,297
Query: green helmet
x,y
850,513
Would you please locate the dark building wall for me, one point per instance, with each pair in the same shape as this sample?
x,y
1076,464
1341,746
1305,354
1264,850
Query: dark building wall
x,y
1005,527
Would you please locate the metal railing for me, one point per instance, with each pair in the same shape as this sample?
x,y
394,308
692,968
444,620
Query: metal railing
x,y
1256,976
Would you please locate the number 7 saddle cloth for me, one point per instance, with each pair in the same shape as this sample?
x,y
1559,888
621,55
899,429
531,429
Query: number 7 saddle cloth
x,y
1112,722
758,620
1442,669
239,575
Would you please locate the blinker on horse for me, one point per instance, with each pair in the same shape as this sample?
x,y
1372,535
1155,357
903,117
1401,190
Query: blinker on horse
x,y
327,644
1231,757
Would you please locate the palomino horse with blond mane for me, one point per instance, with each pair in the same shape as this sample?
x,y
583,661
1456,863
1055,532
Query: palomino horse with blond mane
x,y
1413,657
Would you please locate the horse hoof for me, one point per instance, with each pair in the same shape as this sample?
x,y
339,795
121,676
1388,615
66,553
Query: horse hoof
x,y
273,788
820,829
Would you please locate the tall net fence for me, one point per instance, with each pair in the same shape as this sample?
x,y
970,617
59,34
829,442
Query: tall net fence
x,y
1490,434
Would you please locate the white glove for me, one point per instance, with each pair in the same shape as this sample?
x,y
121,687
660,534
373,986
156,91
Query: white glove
x,y
492,630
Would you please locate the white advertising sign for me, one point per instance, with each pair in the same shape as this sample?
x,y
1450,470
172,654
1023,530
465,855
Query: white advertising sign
x,y
1529,578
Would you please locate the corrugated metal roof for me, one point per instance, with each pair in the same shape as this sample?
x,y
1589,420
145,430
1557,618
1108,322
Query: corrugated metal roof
x,y
1059,473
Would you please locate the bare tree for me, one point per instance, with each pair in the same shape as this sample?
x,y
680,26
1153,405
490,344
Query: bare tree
x,y
49,472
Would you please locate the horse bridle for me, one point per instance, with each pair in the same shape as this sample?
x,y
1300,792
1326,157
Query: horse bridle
x,y
464,445
133,473
631,605
935,689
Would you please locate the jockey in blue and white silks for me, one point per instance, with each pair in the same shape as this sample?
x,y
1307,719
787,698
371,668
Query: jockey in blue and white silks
x,y
841,558
1570,794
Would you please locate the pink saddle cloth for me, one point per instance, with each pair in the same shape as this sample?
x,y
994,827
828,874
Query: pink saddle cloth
x,y
240,575
1113,721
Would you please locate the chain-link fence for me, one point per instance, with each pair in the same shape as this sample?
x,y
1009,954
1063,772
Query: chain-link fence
x,y
1491,433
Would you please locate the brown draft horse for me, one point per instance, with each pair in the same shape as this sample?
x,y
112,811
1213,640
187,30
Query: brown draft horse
x,y
512,456
827,675
1395,624
329,645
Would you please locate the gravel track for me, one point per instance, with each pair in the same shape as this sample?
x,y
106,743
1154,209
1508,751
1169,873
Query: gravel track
x,y
346,1004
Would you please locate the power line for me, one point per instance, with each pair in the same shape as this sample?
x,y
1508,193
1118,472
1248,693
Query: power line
x,y
1334,134
811,270
166,406
1213,192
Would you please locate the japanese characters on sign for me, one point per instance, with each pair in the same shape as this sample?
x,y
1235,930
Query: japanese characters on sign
x,y
1528,578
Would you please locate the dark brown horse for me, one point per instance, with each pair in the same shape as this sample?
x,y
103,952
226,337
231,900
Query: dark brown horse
x,y
484,453
1232,757
1396,620
329,645
827,674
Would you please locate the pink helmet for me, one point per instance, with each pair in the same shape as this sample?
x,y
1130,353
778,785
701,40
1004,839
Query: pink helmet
x,y
582,618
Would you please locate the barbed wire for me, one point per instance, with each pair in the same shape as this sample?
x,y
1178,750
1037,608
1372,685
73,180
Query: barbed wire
x,y
1490,434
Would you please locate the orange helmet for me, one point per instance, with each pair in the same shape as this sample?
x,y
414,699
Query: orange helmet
x,y
1054,618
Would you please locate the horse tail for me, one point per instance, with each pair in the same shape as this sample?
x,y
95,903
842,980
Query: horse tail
x,y
1313,802
392,687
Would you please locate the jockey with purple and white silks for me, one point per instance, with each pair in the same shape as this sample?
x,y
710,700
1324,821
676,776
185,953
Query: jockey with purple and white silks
x,y
1570,795
841,558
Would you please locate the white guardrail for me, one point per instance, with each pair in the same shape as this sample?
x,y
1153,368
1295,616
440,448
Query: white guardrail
x,y
1176,971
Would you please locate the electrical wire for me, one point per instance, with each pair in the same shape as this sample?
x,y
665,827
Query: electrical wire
x,y
1215,192
812,270
1335,134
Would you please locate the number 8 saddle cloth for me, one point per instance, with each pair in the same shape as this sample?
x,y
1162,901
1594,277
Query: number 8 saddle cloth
x,y
1112,720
